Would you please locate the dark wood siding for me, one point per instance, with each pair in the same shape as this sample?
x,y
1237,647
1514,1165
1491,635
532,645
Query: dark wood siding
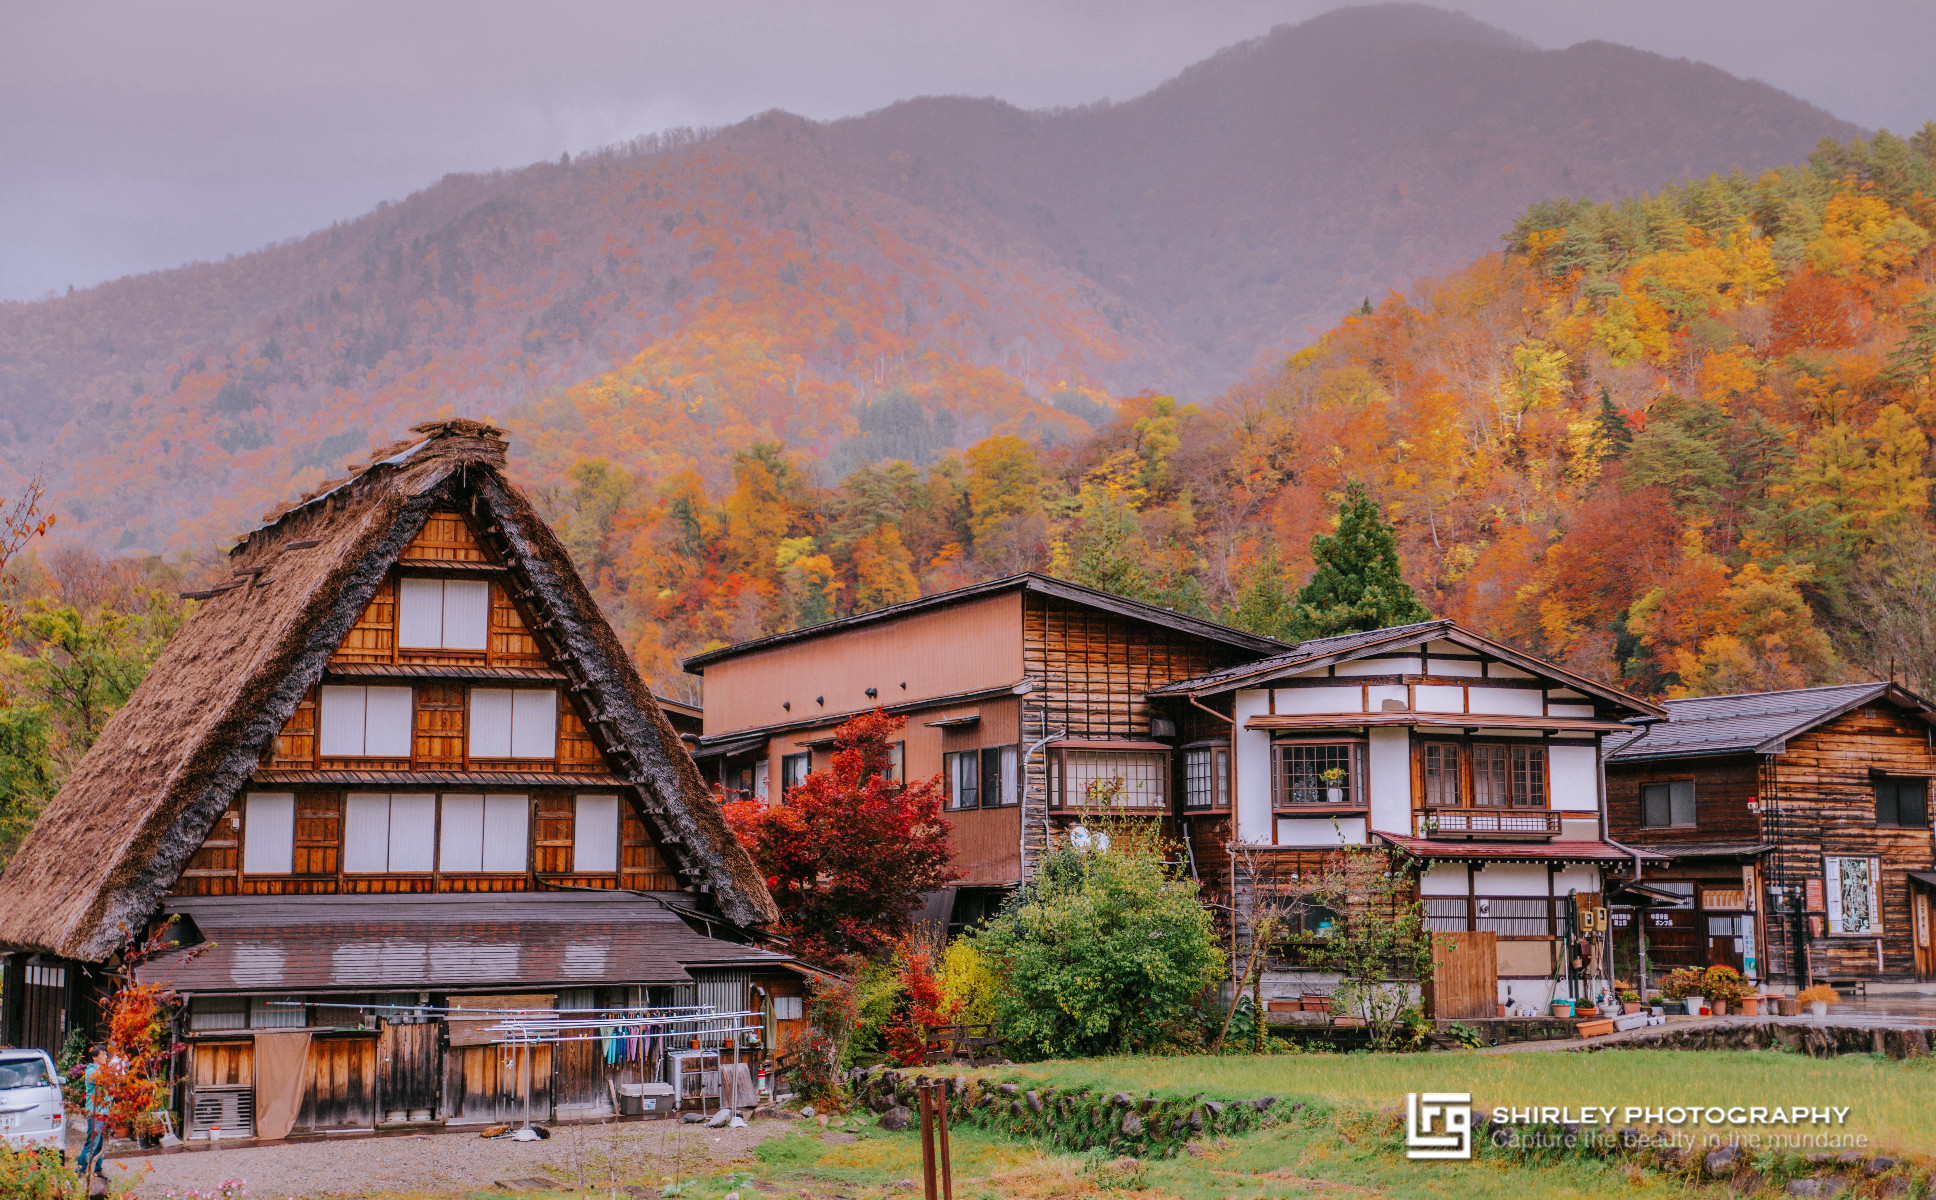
x,y
1723,786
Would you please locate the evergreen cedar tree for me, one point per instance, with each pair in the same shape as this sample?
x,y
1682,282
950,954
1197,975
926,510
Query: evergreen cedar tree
x,y
848,852
1357,585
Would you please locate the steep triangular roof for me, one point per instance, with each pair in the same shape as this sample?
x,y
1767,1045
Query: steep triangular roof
x,y
117,836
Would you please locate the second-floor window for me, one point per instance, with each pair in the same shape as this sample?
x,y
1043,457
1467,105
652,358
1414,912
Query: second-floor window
x,y
983,778
1902,803
366,722
594,834
269,833
443,614
1135,779
793,770
1665,805
1508,776
1206,777
513,723
487,835
389,834
1444,778
1319,773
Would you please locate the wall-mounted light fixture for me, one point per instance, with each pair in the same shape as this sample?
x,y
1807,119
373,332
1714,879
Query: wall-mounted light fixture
x,y
821,701
904,685
873,693
787,705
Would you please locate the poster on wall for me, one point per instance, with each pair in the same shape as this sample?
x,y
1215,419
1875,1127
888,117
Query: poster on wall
x,y
1854,895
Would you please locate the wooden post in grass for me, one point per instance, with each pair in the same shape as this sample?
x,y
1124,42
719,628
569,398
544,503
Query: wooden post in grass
x,y
947,1159
927,1143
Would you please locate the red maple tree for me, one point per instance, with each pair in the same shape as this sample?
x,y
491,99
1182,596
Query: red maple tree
x,y
848,851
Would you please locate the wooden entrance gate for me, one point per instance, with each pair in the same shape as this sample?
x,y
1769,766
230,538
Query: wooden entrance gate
x,y
1465,975
409,1071
342,1084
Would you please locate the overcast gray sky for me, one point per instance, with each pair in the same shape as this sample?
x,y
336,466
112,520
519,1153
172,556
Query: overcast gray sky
x,y
142,134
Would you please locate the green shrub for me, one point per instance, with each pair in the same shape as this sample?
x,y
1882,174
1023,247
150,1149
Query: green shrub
x,y
1102,952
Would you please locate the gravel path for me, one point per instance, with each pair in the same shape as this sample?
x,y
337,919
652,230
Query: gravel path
x,y
646,1152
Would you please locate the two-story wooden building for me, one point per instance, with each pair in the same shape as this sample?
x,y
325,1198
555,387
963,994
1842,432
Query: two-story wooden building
x,y
1481,763
1796,826
1022,692
396,769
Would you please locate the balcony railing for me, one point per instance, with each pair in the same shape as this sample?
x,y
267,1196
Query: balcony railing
x,y
1470,823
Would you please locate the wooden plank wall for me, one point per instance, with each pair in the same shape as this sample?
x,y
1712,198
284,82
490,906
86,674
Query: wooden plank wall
x,y
1722,788
1824,803
1092,670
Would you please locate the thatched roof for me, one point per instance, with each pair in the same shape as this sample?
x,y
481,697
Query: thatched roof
x,y
170,762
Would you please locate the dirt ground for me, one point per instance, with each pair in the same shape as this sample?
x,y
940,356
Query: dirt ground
x,y
641,1152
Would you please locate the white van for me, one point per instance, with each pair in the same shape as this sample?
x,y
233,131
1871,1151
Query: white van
x,y
31,1112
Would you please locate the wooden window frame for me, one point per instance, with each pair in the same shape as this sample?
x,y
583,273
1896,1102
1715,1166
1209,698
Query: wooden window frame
x,y
1545,803
1695,796
803,756
1058,766
1218,754
1357,799
950,760
1878,781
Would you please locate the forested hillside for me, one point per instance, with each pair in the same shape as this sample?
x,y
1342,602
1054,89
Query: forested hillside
x,y
1680,443
883,287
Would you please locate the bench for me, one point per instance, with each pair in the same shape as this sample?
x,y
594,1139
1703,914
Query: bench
x,y
963,1045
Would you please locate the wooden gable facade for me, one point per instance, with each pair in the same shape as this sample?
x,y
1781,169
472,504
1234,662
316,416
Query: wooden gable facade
x,y
1798,831
436,759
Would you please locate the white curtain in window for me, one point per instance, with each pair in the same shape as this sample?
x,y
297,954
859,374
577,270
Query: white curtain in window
x,y
594,839
461,846
507,833
366,833
467,614
413,833
420,613
1009,780
269,833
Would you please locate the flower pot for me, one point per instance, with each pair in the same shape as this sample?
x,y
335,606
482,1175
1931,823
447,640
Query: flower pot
x,y
1334,795
1751,1006
1563,1009
1629,1007
1585,1010
1819,1008
1718,1008
1502,1008
1694,1005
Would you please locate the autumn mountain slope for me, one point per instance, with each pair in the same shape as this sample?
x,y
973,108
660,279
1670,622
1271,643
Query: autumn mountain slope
x,y
882,286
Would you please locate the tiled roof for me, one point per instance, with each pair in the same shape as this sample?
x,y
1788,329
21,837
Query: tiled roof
x,y
1752,722
1303,652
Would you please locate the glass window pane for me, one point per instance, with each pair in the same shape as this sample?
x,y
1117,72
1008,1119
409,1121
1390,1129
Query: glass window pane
x,y
1681,793
1199,787
1654,809
1317,774
1117,778
1008,775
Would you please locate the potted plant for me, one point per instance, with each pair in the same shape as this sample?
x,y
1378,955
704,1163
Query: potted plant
x,y
1333,780
1818,998
1629,1000
1684,985
1723,986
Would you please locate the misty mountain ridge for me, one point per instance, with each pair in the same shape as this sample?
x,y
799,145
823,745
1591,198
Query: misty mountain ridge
x,y
663,303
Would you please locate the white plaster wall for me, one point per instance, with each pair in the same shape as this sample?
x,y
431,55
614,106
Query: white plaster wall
x,y
1575,778
1443,879
1569,710
1320,831
1511,879
1390,766
1320,700
1457,667
1500,670
1514,702
1381,692
1576,879
1438,697
1253,769
1375,666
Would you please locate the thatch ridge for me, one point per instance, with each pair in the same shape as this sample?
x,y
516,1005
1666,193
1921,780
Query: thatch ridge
x,y
166,767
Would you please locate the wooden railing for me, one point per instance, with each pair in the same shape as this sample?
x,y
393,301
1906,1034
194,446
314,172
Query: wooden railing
x,y
1466,823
